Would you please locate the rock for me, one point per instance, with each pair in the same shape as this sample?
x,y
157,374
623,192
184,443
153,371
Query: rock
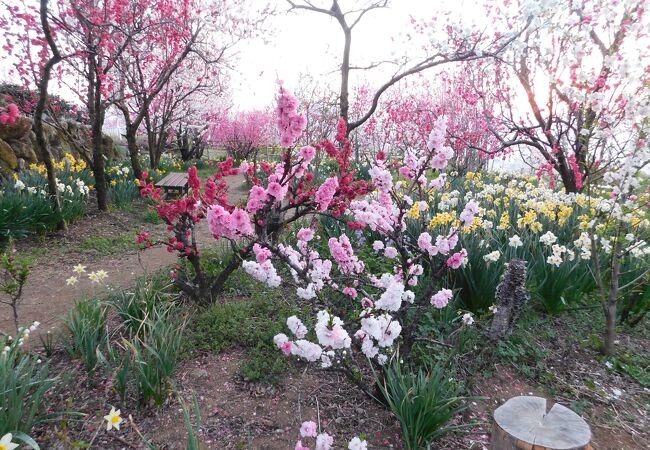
x,y
16,130
199,373
18,141
25,150
8,156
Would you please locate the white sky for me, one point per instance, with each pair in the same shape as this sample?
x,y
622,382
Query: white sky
x,y
305,42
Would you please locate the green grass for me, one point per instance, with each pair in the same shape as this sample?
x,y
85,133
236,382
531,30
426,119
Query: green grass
x,y
249,323
105,246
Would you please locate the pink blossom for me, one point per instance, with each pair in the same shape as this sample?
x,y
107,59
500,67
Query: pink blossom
x,y
441,298
457,259
261,253
367,303
377,245
287,348
297,327
324,441
467,216
342,252
307,153
308,429
390,252
290,123
275,190
325,193
305,234
299,446
352,292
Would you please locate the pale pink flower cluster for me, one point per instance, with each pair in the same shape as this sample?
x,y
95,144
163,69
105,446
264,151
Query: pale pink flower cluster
x,y
394,292
296,326
390,252
330,334
441,298
290,123
377,214
324,441
377,332
436,143
262,269
325,193
264,272
231,225
305,156
467,216
317,270
443,244
305,234
342,252
381,177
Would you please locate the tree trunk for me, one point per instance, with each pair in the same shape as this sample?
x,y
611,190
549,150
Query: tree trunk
x,y
134,153
96,117
345,75
98,163
41,142
610,307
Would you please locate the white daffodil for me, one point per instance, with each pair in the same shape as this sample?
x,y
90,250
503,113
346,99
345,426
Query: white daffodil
x,y
113,420
6,444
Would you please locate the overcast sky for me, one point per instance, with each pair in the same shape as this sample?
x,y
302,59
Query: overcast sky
x,y
305,42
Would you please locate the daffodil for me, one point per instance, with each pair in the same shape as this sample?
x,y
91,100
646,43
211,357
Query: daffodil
x,y
98,276
6,444
113,420
79,268
71,281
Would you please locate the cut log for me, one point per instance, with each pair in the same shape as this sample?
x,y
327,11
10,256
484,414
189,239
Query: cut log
x,y
523,423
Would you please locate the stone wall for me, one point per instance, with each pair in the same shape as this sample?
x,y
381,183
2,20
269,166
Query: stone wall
x,y
18,144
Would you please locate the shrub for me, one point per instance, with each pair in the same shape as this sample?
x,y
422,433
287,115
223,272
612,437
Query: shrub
x,y
24,380
154,357
86,332
136,307
424,402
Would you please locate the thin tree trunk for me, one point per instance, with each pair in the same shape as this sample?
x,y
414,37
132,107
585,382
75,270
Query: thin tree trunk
x,y
610,306
96,115
132,146
41,142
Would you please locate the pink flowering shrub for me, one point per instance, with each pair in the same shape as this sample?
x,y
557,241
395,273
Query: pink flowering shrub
x,y
361,314
9,115
288,193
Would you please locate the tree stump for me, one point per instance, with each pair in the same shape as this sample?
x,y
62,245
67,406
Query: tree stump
x,y
523,423
511,296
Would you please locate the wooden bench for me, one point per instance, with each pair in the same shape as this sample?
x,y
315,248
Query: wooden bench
x,y
174,183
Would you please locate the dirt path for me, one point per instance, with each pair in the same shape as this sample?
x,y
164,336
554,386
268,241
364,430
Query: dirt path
x,y
47,297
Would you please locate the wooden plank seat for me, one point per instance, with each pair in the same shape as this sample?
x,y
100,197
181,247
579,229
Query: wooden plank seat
x,y
174,183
